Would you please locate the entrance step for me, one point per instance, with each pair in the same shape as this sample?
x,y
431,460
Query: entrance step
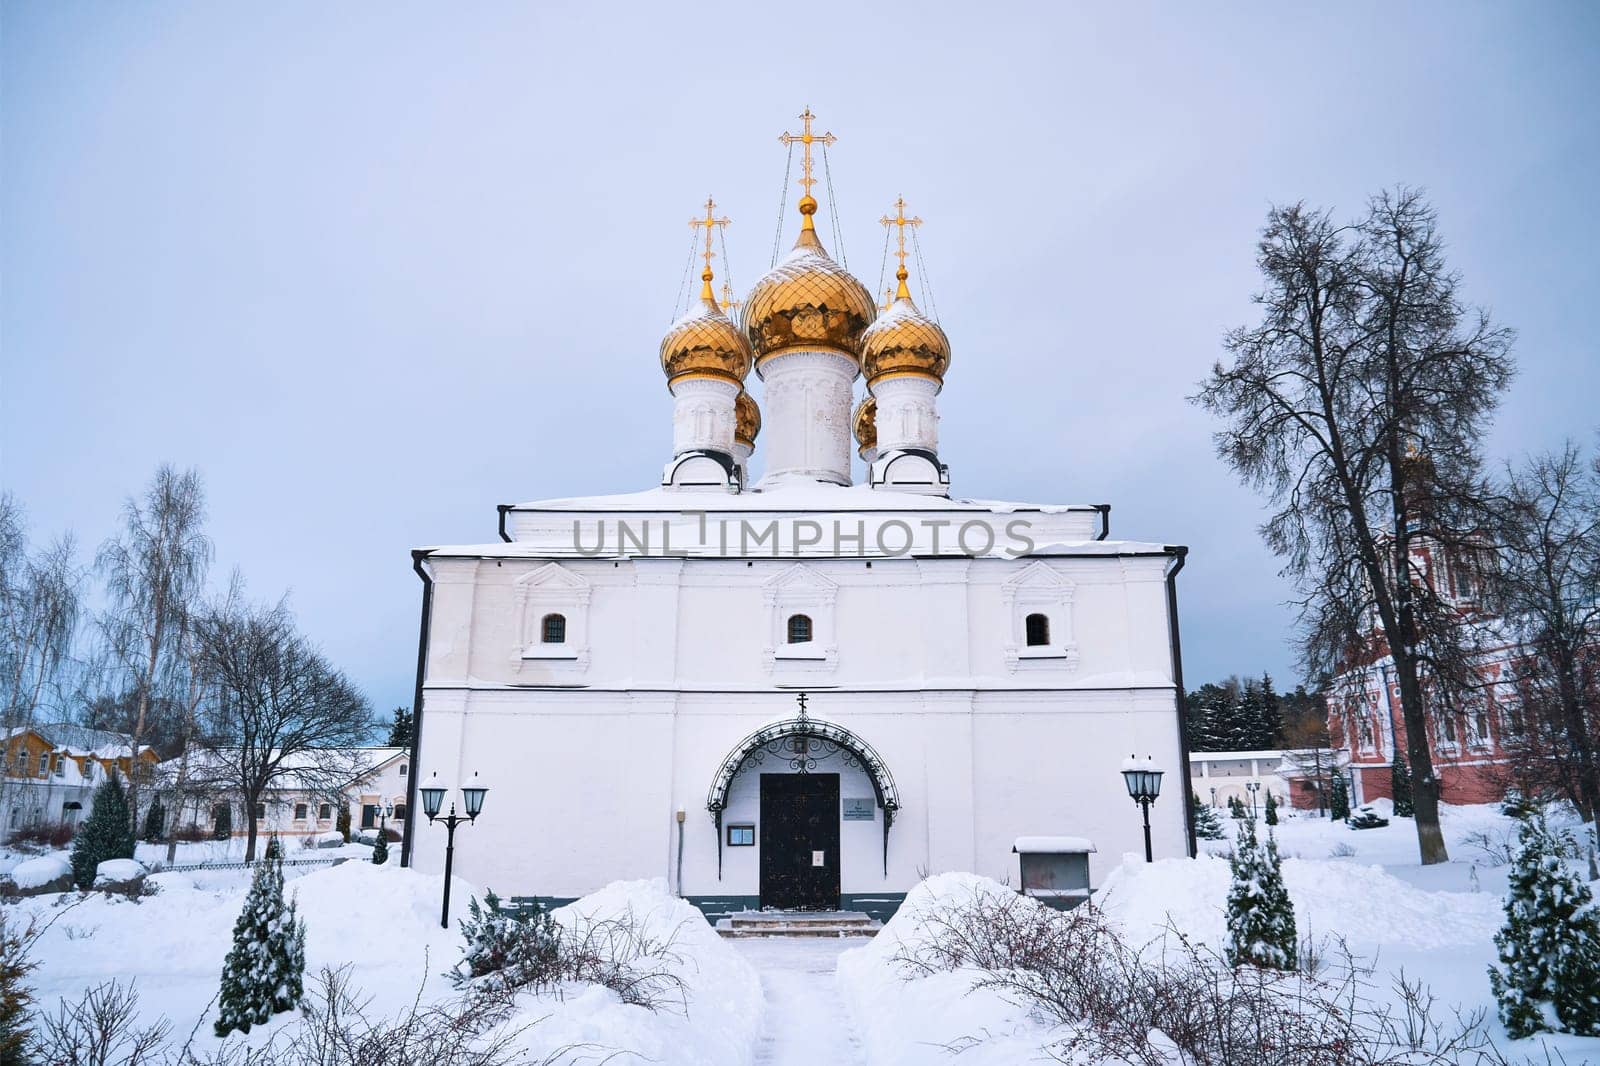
x,y
798,924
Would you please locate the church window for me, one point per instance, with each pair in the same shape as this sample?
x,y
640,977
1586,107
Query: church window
x,y
300,812
1038,627
741,836
261,811
1481,723
399,812
799,629
553,630
402,769
325,812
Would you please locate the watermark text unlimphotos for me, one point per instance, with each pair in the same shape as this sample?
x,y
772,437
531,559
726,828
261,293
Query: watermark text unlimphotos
x,y
696,533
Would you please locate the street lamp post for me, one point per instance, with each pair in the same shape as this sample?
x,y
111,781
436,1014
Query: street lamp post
x,y
1252,787
1144,785
472,794
1213,795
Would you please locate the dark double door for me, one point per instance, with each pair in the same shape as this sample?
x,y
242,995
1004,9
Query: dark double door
x,y
800,841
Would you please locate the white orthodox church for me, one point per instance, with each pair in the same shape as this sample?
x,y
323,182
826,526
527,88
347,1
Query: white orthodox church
x,y
776,687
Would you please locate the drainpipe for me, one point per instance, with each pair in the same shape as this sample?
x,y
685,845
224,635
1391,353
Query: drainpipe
x,y
682,814
1179,554
416,702
1105,522
503,509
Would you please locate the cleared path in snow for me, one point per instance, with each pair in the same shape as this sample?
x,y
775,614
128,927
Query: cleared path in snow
x,y
806,1024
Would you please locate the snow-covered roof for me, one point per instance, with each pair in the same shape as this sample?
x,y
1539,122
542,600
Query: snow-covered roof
x,y
1222,756
818,496
80,741
1046,845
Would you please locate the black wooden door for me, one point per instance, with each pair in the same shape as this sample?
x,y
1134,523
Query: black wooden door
x,y
800,841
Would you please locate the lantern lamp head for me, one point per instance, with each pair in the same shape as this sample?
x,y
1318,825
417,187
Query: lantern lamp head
x,y
1142,778
472,794
432,795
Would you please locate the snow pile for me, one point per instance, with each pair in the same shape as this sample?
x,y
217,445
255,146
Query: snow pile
x,y
1367,906
907,1019
715,1022
41,871
116,871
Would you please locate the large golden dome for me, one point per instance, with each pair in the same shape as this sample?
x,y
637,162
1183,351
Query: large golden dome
x,y
746,419
904,341
705,343
807,301
866,425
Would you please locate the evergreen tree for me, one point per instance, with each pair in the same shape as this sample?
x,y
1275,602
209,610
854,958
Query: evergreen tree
x,y
154,820
342,822
1400,786
400,728
1246,730
1550,944
264,973
16,998
108,833
1207,826
1339,800
1269,723
1272,810
380,850
1261,929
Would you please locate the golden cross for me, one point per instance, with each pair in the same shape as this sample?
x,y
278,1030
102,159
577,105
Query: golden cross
x,y
728,303
888,298
710,222
901,221
805,137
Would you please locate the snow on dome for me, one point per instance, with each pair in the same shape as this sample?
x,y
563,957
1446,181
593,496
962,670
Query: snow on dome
x,y
1046,845
41,871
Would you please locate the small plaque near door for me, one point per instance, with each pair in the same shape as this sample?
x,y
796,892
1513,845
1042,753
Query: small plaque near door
x,y
816,858
859,810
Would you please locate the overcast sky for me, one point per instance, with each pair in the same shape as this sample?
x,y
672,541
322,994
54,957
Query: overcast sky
x,y
376,268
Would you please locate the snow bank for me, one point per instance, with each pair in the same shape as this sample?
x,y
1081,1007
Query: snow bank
x,y
905,1019
41,871
717,1024
115,871
1367,906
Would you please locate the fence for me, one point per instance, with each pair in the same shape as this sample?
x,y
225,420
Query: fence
x,y
288,864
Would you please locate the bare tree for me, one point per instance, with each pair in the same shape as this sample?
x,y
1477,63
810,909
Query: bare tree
x,y
1547,588
154,571
39,608
1358,404
276,711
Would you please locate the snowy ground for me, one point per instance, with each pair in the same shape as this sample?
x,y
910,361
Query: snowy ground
x,y
791,1001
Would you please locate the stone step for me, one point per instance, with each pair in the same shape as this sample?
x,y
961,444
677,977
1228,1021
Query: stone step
x,y
798,924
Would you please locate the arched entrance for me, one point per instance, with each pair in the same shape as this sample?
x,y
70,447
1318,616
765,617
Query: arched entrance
x,y
800,804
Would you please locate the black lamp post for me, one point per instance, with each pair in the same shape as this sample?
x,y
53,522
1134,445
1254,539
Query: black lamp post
x,y
1144,785
1252,787
472,794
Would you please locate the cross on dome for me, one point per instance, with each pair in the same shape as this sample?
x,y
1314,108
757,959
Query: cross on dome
x,y
710,222
900,221
805,138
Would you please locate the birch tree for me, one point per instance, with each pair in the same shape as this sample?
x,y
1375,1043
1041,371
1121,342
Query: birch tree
x,y
1357,405
154,570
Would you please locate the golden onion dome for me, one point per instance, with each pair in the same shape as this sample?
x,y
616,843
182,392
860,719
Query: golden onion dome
x,y
866,425
807,301
746,419
904,341
705,343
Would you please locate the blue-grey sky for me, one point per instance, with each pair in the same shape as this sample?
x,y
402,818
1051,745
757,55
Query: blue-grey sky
x,y
375,268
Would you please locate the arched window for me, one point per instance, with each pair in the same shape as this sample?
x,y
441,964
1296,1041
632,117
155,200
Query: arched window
x,y
554,629
1038,630
799,629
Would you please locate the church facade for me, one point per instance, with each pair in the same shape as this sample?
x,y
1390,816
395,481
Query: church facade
x,y
801,691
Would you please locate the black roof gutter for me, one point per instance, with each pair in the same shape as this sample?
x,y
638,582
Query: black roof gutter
x,y
1179,554
412,821
504,509
1105,520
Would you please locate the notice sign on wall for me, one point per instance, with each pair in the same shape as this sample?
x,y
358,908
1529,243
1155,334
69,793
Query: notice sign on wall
x,y
859,810
817,858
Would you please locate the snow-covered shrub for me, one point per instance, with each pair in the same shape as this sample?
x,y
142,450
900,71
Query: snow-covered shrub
x,y
526,949
264,972
1400,786
108,833
1550,943
1207,824
1272,810
380,850
1366,818
1174,1000
15,995
1261,930
101,1028
511,949
1339,799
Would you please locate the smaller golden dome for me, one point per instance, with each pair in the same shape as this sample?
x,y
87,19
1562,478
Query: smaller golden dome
x,y
705,343
866,425
904,341
746,419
